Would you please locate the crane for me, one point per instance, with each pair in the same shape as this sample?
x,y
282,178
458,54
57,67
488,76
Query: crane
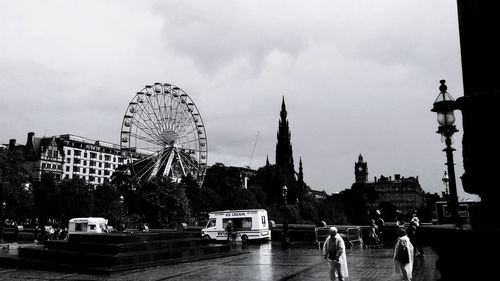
x,y
253,150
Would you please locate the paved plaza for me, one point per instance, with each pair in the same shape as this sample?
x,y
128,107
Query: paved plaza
x,y
265,261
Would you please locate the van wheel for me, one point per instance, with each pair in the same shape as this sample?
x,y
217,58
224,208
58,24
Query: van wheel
x,y
244,239
207,237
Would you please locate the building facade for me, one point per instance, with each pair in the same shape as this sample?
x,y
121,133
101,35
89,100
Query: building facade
x,y
405,194
69,156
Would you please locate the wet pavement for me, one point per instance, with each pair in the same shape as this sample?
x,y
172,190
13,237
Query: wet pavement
x,y
265,261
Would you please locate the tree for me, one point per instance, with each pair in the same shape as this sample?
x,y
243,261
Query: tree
x,y
45,196
107,204
14,184
163,203
74,199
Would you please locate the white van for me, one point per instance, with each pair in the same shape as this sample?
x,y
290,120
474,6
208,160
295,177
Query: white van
x,y
247,225
96,225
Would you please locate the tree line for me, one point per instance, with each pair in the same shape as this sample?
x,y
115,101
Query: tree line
x,y
163,203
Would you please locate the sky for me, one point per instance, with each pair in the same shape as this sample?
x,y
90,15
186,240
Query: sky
x,y
357,76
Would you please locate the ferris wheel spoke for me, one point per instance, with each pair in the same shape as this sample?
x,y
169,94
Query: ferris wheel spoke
x,y
145,170
148,122
158,163
145,125
190,162
153,112
189,141
170,159
181,163
188,130
145,139
146,115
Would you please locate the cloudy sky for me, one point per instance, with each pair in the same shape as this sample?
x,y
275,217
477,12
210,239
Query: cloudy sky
x,y
358,76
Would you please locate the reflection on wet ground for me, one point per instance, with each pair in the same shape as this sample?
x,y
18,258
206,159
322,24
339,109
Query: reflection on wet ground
x,y
265,261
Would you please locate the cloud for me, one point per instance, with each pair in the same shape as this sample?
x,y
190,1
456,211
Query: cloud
x,y
224,33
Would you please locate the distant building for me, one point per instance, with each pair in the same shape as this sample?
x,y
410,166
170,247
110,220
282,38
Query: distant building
x,y
232,176
405,194
69,156
318,194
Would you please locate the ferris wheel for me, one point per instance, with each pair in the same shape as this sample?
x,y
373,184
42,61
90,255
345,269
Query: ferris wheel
x,y
162,134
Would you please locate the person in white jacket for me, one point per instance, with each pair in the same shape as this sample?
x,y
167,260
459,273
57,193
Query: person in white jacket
x,y
334,252
403,256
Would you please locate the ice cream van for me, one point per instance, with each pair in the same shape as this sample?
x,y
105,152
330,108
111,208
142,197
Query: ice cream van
x,y
96,225
246,224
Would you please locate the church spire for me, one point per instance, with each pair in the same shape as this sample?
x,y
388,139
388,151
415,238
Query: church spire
x,y
300,181
284,152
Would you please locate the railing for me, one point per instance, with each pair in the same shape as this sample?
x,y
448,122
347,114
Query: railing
x,y
350,233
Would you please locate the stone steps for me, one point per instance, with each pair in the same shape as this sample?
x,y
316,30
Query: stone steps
x,y
106,253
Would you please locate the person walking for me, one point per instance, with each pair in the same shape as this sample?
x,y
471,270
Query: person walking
x,y
334,252
373,239
403,256
380,224
229,230
415,236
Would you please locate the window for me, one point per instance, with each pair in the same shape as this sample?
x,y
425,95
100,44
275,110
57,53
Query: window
x,y
92,171
93,155
78,152
68,160
100,157
239,223
85,155
84,162
84,170
211,223
107,158
263,220
76,169
106,173
107,165
67,168
77,161
92,163
99,165
68,152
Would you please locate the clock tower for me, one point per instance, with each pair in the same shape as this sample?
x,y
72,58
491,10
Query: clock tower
x,y
361,170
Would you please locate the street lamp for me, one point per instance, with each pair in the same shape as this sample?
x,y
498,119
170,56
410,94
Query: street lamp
x,y
444,105
2,220
285,242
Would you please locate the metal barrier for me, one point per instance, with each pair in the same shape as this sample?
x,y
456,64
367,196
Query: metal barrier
x,y
351,234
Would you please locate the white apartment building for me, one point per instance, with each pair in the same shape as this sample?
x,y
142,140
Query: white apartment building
x,y
69,156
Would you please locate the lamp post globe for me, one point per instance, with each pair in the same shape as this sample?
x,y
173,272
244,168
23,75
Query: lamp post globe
x,y
444,105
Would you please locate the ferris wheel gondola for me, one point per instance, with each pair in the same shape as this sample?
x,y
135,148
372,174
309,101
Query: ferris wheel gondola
x,y
163,134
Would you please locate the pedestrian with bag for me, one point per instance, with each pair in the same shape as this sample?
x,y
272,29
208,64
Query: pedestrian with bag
x,y
403,256
334,252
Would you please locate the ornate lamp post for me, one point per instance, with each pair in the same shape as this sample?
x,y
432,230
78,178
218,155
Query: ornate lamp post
x,y
445,180
444,105
285,242
2,220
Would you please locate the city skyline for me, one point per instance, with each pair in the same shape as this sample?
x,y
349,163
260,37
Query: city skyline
x,y
357,77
